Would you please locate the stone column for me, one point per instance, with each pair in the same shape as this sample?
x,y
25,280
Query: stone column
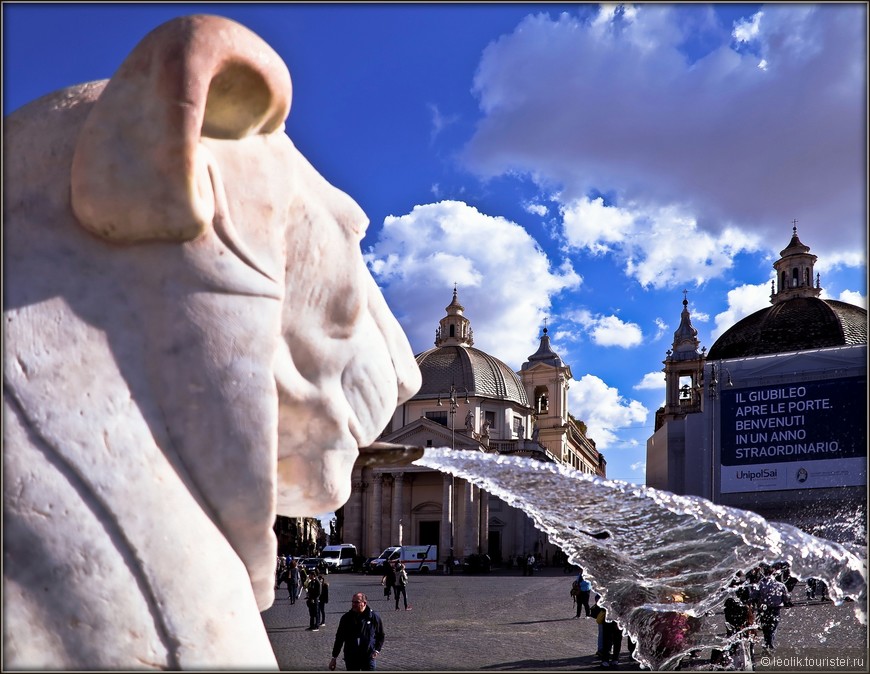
x,y
446,539
396,512
472,516
483,498
375,546
352,531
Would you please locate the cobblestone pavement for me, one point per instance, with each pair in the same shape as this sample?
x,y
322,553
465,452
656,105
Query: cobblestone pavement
x,y
504,621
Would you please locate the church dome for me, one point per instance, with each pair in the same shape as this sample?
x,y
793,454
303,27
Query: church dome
x,y
454,361
798,320
467,368
797,324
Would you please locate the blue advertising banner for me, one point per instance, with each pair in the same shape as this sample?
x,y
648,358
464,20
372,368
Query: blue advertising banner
x,y
794,436
812,420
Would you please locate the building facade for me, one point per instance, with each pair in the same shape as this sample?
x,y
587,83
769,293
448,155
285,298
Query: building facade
x,y
299,536
774,418
469,400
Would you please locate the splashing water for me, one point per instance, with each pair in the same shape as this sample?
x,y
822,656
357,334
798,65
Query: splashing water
x,y
830,625
660,561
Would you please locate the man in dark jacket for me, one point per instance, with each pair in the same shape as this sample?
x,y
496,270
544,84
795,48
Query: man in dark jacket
x,y
313,602
361,634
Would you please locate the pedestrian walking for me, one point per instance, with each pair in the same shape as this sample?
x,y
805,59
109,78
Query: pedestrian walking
x,y
313,602
584,590
323,601
280,571
303,580
530,566
739,617
361,634
402,586
389,579
595,612
294,581
611,641
772,596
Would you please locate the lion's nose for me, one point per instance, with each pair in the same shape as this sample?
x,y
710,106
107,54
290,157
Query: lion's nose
x,y
408,379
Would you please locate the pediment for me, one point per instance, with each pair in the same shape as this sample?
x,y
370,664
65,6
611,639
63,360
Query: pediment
x,y
421,430
427,508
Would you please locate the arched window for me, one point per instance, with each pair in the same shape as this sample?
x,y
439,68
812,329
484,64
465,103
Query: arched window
x,y
542,399
794,277
452,330
783,284
807,280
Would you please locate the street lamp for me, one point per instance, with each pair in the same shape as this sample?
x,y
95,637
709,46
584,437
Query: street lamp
x,y
713,390
715,373
454,404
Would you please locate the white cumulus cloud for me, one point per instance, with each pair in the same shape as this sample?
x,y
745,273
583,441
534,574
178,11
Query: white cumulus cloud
x,y
652,381
702,155
603,409
505,280
607,330
852,297
742,301
662,247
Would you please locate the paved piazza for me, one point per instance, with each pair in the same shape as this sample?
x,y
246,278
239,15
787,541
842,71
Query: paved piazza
x,y
504,621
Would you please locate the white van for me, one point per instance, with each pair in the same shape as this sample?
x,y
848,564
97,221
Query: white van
x,y
339,557
422,558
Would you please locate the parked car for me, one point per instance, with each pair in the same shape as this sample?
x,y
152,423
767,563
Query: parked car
x,y
313,564
477,564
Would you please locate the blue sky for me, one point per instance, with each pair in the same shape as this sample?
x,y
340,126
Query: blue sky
x,y
575,162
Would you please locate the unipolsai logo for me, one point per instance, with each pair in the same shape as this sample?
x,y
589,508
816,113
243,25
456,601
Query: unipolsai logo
x,y
753,475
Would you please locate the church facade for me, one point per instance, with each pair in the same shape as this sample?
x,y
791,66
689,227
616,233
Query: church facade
x,y
774,418
469,400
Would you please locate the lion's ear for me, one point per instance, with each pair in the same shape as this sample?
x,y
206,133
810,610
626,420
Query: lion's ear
x,y
139,172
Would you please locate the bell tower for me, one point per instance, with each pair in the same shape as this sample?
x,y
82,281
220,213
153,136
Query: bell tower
x,y
684,367
794,272
545,377
454,329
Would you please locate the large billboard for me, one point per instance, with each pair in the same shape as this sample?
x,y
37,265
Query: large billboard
x,y
808,435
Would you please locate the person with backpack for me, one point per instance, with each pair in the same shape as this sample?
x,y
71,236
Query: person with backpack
x,y
584,589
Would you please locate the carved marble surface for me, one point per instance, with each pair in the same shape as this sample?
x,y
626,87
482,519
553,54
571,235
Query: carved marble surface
x,y
193,344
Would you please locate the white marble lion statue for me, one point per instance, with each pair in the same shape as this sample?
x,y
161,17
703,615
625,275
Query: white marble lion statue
x,y
192,345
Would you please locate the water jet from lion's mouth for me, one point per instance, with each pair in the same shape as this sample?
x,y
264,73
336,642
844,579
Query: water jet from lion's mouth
x,y
383,454
642,548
